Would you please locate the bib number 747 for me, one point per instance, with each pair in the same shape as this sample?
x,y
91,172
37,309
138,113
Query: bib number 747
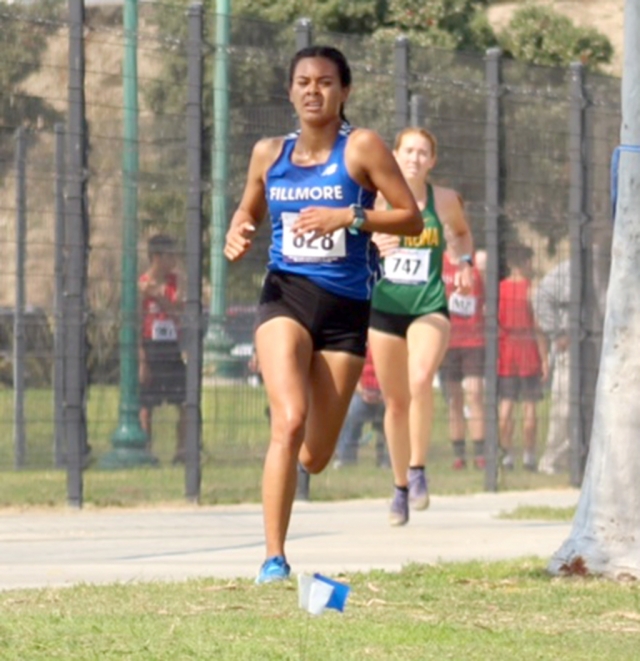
x,y
407,266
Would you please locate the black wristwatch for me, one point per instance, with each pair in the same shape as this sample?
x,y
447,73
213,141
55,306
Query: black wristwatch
x,y
359,218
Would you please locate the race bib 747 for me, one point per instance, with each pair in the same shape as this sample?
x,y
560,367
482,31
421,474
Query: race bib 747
x,y
407,266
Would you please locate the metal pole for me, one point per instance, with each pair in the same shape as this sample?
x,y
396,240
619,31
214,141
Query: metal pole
x,y
596,245
417,110
193,304
218,343
629,185
75,267
577,220
58,338
304,37
401,75
18,314
604,536
493,207
129,441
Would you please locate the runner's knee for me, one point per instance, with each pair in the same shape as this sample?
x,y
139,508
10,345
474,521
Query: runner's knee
x,y
287,428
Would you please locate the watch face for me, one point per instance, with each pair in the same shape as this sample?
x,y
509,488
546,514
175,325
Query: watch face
x,y
358,215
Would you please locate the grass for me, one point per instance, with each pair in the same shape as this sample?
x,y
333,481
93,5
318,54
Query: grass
x,y
540,512
473,611
235,437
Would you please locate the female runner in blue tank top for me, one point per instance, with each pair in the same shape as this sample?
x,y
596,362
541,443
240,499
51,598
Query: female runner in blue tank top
x,y
319,186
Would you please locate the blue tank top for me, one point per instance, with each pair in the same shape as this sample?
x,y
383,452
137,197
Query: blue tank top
x,y
343,263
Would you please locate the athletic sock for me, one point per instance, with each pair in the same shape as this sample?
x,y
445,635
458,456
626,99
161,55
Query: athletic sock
x,y
507,456
478,448
459,449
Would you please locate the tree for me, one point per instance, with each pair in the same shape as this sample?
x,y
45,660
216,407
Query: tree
x,y
23,29
451,24
540,35
23,32
350,16
605,537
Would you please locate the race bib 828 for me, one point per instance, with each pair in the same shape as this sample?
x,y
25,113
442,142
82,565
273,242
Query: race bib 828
x,y
311,248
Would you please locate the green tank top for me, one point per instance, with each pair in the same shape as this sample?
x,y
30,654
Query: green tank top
x,y
412,283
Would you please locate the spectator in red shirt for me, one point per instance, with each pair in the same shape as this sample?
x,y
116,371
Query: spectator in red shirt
x,y
162,369
522,357
462,370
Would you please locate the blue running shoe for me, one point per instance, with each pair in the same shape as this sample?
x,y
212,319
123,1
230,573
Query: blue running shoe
x,y
418,489
273,569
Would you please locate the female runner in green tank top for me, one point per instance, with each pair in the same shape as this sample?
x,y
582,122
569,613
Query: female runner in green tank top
x,y
409,330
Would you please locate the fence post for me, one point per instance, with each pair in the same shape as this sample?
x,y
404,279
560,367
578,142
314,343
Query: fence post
x,y
577,220
76,267
19,441
58,337
401,76
493,210
304,36
193,303
417,110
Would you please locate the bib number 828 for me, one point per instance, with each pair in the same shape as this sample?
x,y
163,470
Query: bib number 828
x,y
313,242
309,247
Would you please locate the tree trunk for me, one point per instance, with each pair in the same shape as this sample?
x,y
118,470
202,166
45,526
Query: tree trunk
x,y
605,537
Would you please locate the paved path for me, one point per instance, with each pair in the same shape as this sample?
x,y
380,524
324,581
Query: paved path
x,y
64,547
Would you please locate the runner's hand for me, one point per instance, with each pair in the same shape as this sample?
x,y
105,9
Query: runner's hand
x,y
238,240
463,279
321,220
386,243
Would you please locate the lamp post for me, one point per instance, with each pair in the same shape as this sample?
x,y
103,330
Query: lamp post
x,y
217,343
129,441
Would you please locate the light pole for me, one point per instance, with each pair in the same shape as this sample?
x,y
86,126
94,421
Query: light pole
x,y
129,441
604,537
217,343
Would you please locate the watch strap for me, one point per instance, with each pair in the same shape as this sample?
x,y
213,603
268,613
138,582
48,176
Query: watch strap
x,y
359,218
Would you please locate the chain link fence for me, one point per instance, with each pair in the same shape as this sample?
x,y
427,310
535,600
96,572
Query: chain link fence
x,y
527,147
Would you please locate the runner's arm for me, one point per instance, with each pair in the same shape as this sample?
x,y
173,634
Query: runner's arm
x,y
253,205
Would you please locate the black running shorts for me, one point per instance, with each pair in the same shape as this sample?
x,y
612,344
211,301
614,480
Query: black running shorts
x,y
334,322
398,324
